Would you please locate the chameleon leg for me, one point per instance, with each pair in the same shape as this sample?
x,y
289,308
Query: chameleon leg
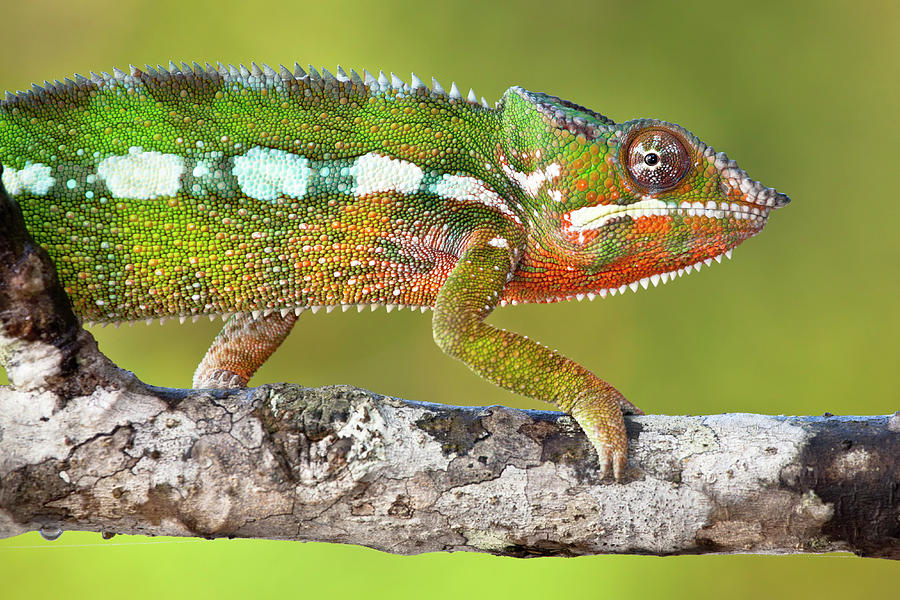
x,y
242,346
517,363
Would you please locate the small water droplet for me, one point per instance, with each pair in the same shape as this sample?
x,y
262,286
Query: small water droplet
x,y
50,533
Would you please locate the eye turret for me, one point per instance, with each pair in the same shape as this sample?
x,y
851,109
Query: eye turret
x,y
656,159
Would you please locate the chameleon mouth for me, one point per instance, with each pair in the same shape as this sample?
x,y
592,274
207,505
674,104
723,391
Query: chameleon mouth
x,y
595,217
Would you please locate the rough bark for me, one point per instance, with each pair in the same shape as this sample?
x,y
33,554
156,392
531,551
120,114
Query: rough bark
x,y
85,445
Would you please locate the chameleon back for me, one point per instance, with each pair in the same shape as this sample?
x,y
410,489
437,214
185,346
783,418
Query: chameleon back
x,y
205,191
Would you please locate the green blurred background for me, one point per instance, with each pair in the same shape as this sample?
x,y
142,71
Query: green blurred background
x,y
803,321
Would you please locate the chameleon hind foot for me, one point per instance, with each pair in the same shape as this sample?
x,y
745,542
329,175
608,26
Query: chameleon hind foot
x,y
219,379
243,345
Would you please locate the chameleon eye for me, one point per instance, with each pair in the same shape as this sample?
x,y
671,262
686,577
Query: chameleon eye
x,y
656,159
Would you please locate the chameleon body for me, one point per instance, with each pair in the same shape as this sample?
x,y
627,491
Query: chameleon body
x,y
257,194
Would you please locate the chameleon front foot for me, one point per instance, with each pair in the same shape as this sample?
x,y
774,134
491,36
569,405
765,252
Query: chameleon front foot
x,y
611,444
600,416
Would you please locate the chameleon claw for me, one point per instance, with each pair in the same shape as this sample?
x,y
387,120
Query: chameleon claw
x,y
611,459
620,459
605,461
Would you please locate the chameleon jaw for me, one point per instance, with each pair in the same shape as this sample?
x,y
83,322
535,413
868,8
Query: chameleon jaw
x,y
644,282
591,218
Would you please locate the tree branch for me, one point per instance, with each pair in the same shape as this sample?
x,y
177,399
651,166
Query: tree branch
x,y
85,445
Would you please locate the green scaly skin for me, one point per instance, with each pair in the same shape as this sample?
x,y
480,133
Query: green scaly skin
x,y
256,194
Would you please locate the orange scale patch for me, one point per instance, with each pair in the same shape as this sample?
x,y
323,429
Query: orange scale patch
x,y
652,225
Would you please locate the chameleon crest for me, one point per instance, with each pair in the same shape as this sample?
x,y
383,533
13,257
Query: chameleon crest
x,y
256,194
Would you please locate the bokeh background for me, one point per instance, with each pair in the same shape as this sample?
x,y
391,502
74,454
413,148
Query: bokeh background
x,y
804,320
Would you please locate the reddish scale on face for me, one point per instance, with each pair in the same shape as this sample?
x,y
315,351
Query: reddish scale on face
x,y
576,238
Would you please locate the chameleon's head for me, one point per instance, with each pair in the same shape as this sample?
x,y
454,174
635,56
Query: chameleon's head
x,y
659,175
633,200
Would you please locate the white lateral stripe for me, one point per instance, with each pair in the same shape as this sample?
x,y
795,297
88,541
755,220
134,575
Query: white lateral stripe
x,y
202,169
269,173
377,173
469,189
33,178
142,175
531,182
595,217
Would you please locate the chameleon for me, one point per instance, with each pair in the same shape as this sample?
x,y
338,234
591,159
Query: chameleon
x,y
255,194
